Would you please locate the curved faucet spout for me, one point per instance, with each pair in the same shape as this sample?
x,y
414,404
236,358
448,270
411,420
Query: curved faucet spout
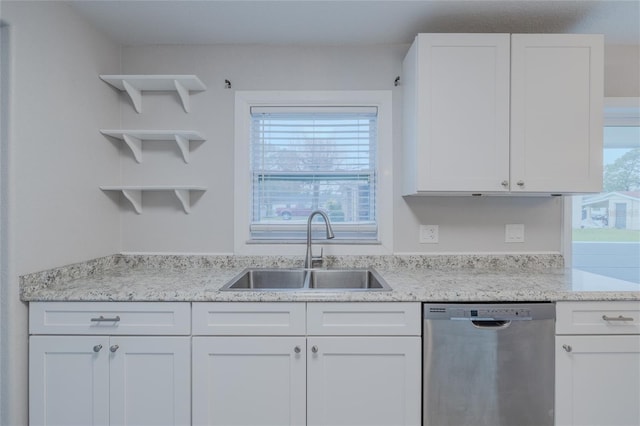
x,y
308,259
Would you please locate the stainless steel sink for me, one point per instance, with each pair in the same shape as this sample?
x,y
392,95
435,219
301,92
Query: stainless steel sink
x,y
267,279
347,279
278,279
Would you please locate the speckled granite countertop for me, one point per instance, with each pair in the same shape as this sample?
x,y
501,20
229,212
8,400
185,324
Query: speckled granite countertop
x,y
412,278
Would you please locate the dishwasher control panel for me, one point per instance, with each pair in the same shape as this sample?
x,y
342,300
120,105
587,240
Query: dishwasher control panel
x,y
486,312
492,313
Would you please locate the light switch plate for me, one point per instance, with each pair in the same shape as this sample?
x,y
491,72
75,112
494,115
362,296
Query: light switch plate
x,y
514,233
428,234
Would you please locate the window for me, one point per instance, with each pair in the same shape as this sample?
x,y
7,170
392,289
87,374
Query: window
x,y
302,151
606,227
305,159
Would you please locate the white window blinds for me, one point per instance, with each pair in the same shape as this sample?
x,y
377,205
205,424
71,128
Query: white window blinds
x,y
308,158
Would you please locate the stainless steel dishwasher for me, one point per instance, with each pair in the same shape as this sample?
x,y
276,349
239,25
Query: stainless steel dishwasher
x,y
488,364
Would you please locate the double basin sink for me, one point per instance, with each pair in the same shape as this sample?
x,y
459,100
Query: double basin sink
x,y
281,279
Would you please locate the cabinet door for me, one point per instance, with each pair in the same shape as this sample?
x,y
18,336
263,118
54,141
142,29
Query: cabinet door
x,y
364,381
68,380
150,381
598,380
462,112
556,112
251,381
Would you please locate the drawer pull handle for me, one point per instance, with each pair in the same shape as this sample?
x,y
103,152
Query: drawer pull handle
x,y
97,348
618,318
103,319
114,348
567,348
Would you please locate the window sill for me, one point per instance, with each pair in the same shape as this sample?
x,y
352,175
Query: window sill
x,y
320,241
297,248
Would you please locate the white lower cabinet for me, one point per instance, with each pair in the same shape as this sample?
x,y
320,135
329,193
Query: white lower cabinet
x,y
108,379
249,381
150,381
363,381
598,364
246,378
68,380
247,364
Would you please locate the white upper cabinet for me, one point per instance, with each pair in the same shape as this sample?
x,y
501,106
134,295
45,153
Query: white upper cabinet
x,y
495,113
557,90
456,113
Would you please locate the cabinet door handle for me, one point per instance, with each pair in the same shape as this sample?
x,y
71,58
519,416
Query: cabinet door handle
x,y
567,348
97,348
520,183
314,349
505,183
297,349
618,318
103,319
114,348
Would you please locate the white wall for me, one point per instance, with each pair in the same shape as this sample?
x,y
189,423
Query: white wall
x,y
622,71
466,224
162,227
4,117
57,159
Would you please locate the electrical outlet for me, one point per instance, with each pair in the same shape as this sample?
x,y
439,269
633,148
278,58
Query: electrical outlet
x,y
514,233
428,234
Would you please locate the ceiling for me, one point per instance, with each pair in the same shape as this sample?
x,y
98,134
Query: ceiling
x,y
354,22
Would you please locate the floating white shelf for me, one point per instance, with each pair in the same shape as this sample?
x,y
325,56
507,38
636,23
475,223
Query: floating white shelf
x,y
134,138
134,194
134,85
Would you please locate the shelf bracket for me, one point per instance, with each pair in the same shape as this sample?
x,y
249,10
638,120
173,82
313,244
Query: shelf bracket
x,y
185,199
183,144
135,144
184,95
134,94
135,198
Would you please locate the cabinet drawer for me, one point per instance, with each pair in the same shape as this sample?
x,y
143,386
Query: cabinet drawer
x,y
110,318
257,319
598,317
363,319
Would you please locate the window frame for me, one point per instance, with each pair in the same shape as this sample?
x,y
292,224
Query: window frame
x,y
244,101
618,111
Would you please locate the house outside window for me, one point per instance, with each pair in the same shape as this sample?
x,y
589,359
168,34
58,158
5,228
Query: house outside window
x,y
297,152
606,227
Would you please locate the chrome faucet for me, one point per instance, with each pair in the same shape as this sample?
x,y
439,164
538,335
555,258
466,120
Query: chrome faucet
x,y
308,260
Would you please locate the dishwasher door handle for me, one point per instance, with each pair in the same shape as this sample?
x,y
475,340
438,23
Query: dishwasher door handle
x,y
492,324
